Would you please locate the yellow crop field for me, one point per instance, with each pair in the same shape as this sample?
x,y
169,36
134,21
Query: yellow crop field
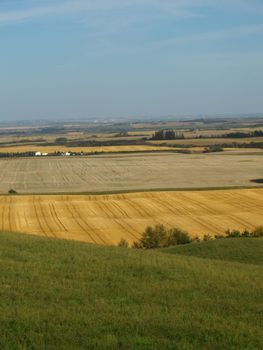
x,y
95,149
105,219
204,142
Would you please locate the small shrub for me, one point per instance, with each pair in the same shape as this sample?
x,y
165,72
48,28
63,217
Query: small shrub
x,y
233,234
219,236
177,236
214,148
12,191
123,243
137,245
207,238
196,239
246,233
258,232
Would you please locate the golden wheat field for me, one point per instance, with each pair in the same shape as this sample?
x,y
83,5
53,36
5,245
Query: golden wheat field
x,y
94,149
105,219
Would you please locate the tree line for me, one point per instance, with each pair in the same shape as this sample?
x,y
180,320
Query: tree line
x,y
167,135
161,237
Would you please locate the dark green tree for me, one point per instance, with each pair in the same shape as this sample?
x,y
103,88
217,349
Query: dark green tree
x,y
153,237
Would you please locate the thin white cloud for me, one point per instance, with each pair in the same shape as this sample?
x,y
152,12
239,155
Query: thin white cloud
x,y
229,33
31,12
53,9
177,8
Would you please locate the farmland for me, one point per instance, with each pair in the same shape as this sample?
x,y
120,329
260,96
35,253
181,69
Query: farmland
x,y
137,172
91,150
127,135
131,175
106,219
203,142
63,283
102,198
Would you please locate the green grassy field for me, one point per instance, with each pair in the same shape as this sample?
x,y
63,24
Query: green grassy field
x,y
59,294
243,250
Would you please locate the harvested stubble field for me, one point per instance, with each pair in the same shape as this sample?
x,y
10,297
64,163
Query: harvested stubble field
x,y
126,172
204,142
93,149
105,219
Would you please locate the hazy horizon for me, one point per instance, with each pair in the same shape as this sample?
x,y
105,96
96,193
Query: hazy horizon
x,y
66,59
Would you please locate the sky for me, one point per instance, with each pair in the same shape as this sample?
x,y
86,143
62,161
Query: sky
x,y
77,59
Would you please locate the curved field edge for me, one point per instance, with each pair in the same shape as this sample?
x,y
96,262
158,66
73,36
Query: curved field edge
x,y
61,294
242,250
254,185
106,219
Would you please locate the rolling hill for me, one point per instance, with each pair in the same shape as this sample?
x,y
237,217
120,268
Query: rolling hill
x,y
58,294
243,250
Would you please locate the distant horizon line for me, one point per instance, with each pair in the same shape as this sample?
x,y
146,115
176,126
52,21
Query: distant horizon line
x,y
135,118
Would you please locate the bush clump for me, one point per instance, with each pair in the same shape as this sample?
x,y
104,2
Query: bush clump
x,y
207,238
152,237
214,148
160,237
123,243
177,236
257,232
233,234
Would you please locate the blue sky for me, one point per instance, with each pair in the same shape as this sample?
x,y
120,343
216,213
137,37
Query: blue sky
x,y
122,58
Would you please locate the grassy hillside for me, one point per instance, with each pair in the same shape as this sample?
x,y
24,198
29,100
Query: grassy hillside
x,y
243,250
59,294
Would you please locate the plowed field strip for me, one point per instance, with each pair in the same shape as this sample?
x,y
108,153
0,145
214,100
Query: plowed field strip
x,y
3,213
128,229
56,219
108,218
37,216
12,222
199,204
98,238
169,208
83,229
140,209
121,210
134,233
83,225
46,215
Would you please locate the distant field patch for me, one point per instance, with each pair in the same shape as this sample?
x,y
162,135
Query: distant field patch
x,y
129,172
105,219
95,149
204,142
